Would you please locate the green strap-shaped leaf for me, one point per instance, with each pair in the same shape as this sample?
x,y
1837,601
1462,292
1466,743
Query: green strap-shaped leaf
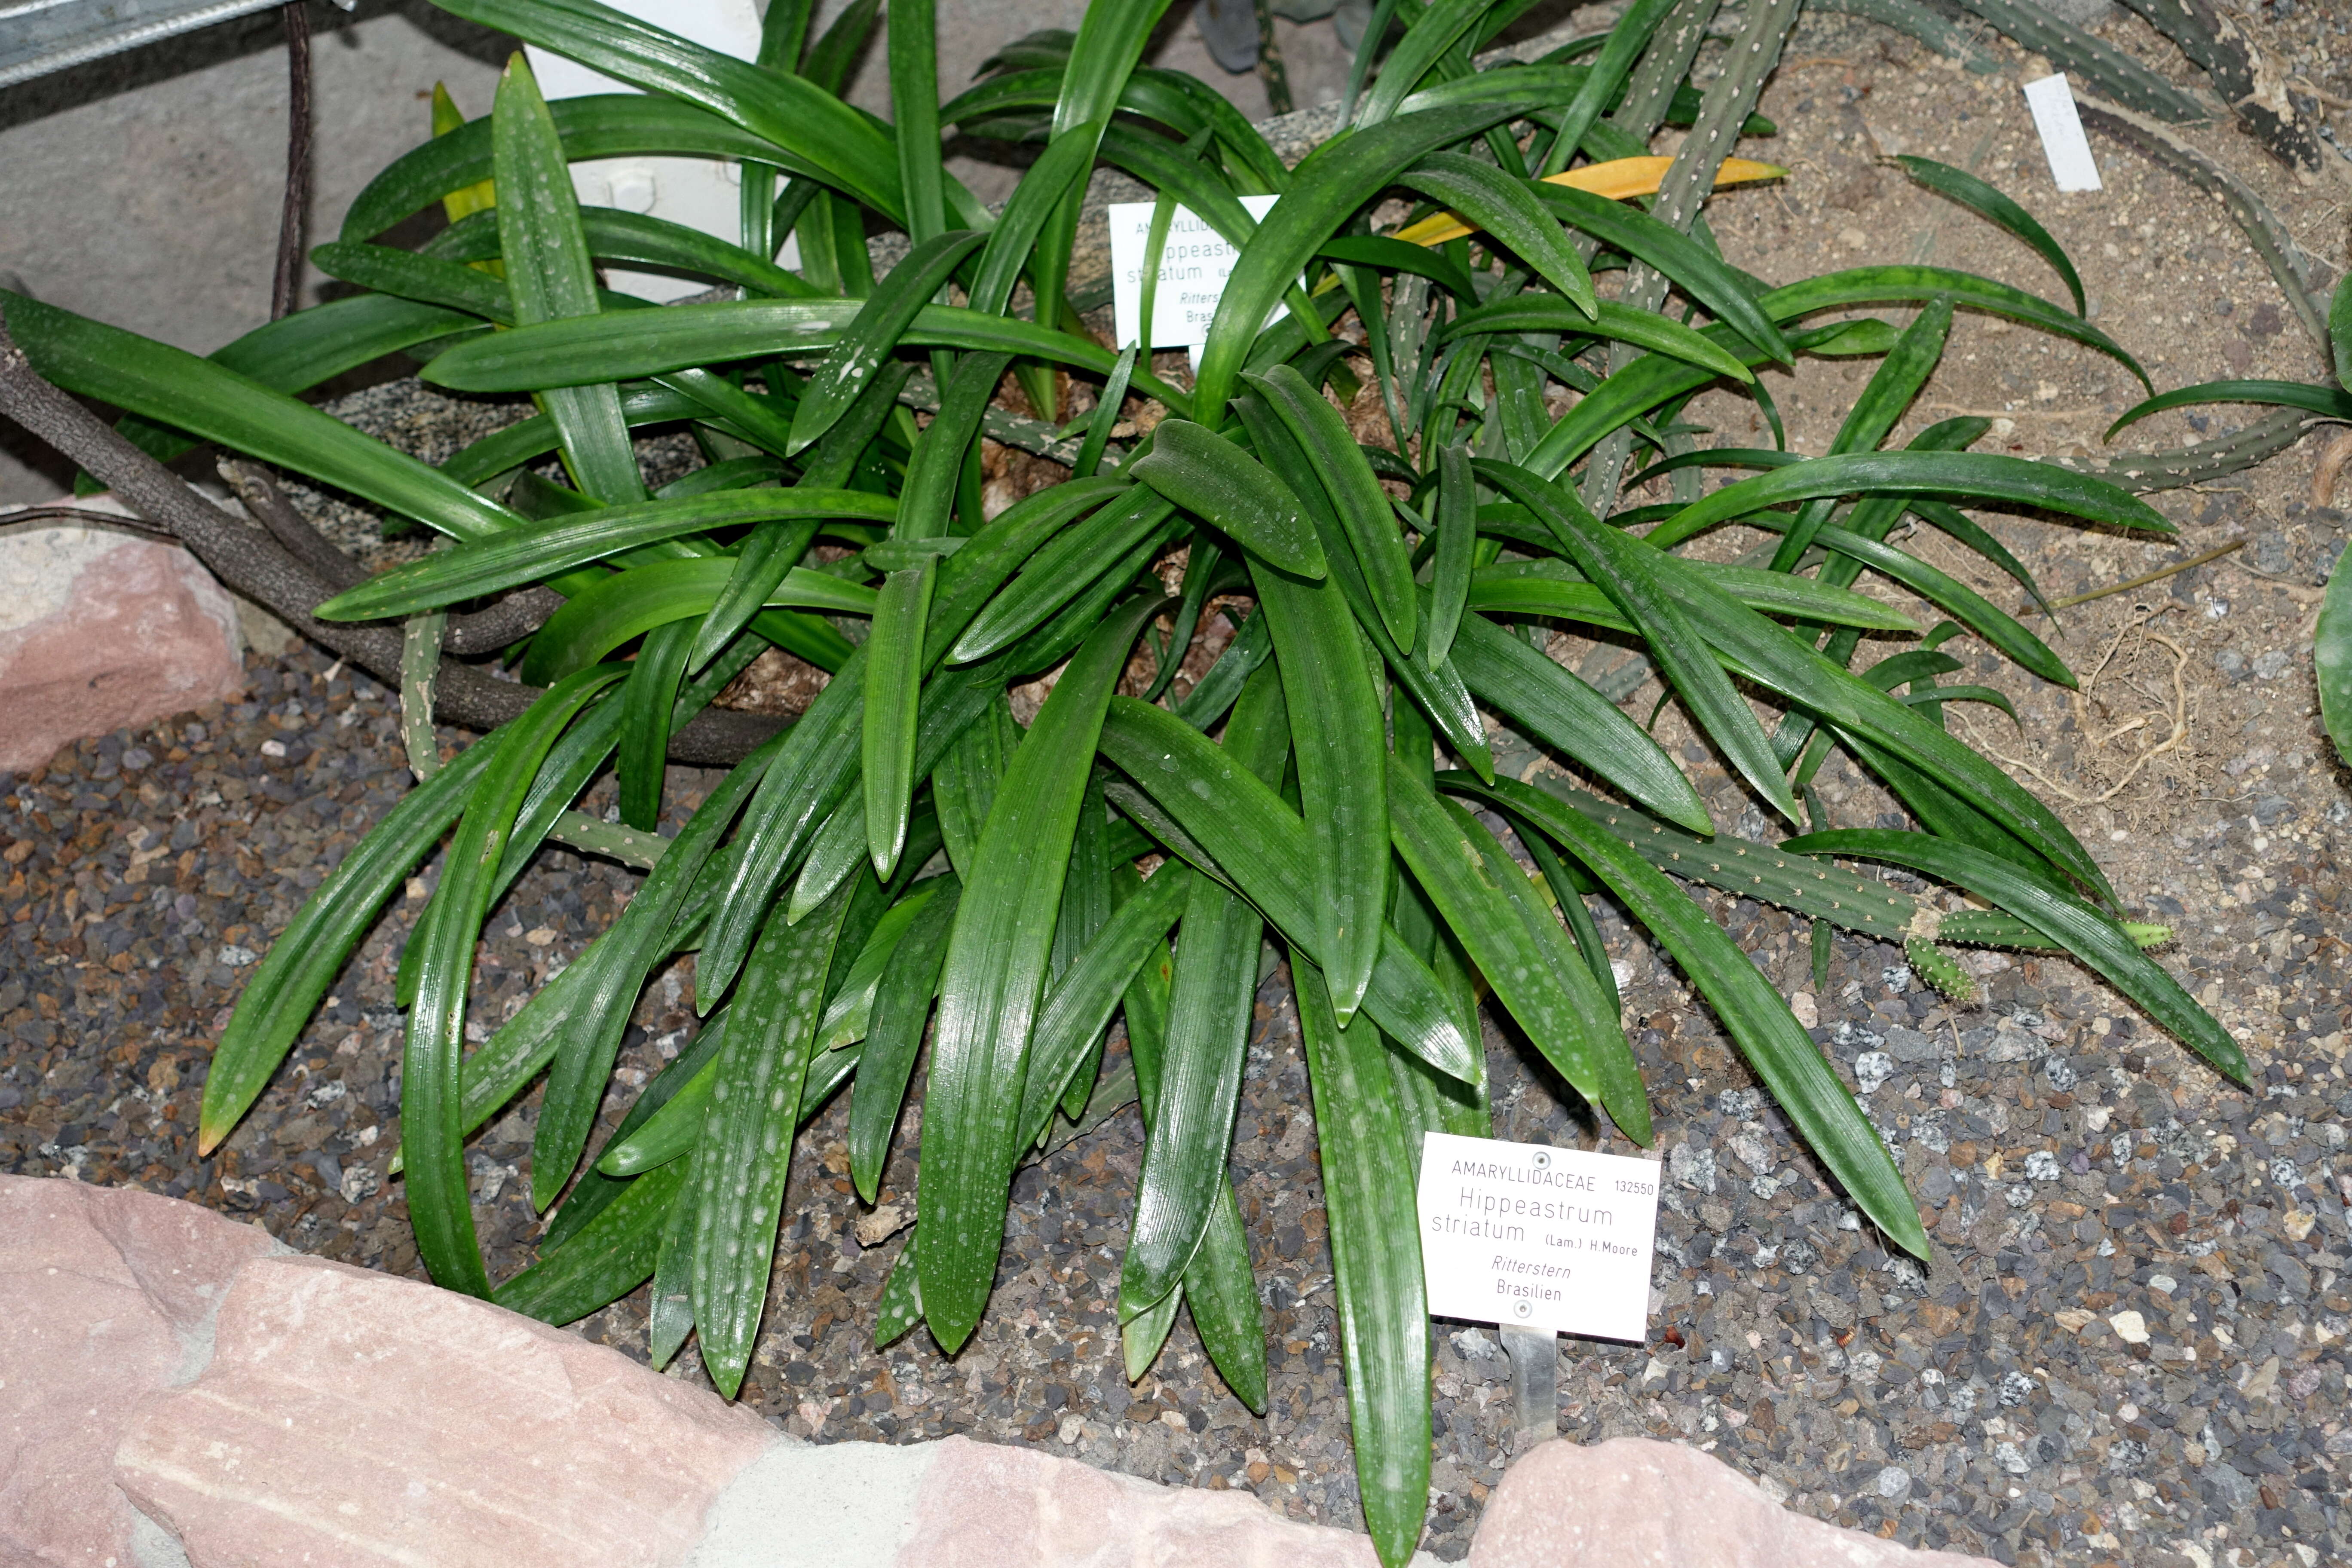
x,y
1507,209
1217,481
629,604
296,353
1091,894
1041,188
994,973
1768,655
1337,731
647,696
1690,265
1621,323
623,344
902,1002
1457,541
816,128
1626,39
1437,688
1628,572
1503,923
946,713
1431,33
1207,1035
596,1191
1243,835
1560,709
1986,202
432,1152
1876,285
528,552
589,1028
1079,1004
1752,1012
1947,593
803,783
1062,570
1367,1186
1979,476
894,678
1551,587
550,277
1109,44
309,953
914,60
850,1013
610,1255
861,350
600,126
969,577
1398,256
767,555
637,238
747,1134
669,1314
964,780
1873,416
2325,400
1326,188
1210,998
2087,932
1361,507
174,387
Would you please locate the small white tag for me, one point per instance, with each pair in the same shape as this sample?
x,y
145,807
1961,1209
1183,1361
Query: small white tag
x,y
2063,141
1193,265
1537,1238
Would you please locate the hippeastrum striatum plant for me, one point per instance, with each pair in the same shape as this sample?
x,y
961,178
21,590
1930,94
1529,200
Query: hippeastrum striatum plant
x,y
907,861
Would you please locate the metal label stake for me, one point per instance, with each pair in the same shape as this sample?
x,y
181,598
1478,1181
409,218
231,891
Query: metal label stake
x,y
1535,1382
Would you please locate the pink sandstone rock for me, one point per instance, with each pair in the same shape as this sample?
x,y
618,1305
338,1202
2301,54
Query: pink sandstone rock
x,y
353,1419
984,1507
110,1295
1634,1503
99,630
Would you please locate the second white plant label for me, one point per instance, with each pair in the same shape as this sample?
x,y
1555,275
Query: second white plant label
x,y
1538,1237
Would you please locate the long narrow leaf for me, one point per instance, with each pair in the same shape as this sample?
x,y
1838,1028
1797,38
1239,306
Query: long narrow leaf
x,y
1752,1012
994,973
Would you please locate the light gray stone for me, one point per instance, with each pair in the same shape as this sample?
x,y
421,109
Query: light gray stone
x,y
848,1503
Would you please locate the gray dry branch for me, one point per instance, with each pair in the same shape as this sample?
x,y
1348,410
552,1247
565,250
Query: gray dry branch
x,y
275,569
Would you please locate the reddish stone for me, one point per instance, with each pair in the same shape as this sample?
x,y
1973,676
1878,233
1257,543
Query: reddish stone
x,y
110,1297
354,1418
984,1507
1632,1500
100,631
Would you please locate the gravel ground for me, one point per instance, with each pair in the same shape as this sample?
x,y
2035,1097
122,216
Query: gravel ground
x,y
2130,1347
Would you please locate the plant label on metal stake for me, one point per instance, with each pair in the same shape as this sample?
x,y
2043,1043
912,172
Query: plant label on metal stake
x,y
1193,267
1522,1236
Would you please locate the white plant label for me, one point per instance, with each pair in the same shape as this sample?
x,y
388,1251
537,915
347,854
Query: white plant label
x,y
1535,1237
2063,141
1194,264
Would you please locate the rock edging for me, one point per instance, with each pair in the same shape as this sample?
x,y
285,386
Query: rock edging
x,y
177,1390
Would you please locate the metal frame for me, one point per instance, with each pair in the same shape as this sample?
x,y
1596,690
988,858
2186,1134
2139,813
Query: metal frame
x,y
38,36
